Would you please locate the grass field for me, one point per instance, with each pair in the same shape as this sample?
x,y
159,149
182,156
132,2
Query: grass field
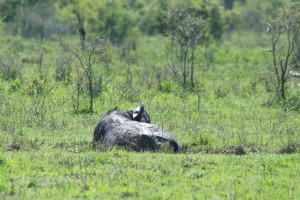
x,y
66,174
45,148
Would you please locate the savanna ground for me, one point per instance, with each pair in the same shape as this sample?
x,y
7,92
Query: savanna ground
x,y
50,156
239,141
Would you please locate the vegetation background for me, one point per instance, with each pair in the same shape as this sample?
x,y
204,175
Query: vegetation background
x,y
205,71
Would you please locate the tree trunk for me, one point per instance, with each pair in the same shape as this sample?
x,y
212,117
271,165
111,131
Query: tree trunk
x,y
41,64
282,89
78,92
297,45
81,30
90,79
192,65
91,96
283,81
185,52
82,37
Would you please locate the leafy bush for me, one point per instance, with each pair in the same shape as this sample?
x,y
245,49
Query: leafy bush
x,y
9,68
63,68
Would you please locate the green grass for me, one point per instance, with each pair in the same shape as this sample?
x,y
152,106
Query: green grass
x,y
115,174
46,153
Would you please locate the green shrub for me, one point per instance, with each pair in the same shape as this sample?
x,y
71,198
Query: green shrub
x,y
9,68
293,102
15,85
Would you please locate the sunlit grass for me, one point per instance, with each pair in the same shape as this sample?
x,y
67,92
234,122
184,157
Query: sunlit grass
x,y
239,142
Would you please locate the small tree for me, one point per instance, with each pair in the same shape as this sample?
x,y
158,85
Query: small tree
x,y
283,28
86,58
189,32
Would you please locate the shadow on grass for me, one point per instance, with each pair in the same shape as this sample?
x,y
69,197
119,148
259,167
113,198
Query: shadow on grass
x,y
290,148
239,150
186,148
235,150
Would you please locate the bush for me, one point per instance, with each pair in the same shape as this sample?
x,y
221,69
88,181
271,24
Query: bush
x,y
63,68
9,69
